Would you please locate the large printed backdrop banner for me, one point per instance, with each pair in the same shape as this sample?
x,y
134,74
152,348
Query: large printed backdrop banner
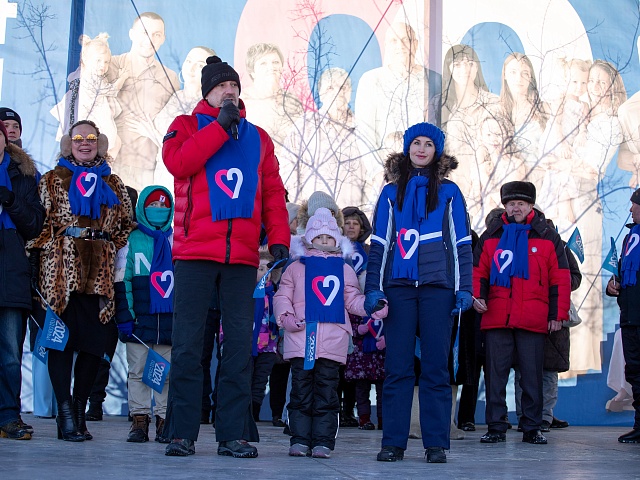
x,y
543,90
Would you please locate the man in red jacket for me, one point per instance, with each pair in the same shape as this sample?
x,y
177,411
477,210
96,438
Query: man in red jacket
x,y
522,284
227,185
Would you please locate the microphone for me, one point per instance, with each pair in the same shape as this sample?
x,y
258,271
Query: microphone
x,y
234,125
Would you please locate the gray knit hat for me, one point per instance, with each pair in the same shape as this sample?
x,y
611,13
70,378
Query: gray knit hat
x,y
319,200
292,210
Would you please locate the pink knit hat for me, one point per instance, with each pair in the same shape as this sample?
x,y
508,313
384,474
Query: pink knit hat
x,y
322,223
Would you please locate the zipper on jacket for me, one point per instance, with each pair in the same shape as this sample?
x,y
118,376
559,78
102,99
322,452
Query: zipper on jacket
x,y
158,330
227,256
509,314
187,213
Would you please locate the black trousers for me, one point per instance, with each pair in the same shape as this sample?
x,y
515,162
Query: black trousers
x,y
527,348
631,349
99,389
278,382
211,334
195,284
262,366
363,391
469,396
313,403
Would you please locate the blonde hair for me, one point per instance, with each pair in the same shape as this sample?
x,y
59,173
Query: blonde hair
x,y
100,40
616,92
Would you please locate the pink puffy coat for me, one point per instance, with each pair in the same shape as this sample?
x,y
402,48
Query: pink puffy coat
x,y
289,308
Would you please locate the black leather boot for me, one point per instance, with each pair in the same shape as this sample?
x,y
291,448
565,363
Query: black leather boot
x,y
79,408
67,429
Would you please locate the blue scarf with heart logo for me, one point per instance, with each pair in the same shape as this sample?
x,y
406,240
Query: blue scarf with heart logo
x,y
263,307
373,334
324,289
232,172
5,181
631,259
414,211
88,191
511,257
161,279
359,258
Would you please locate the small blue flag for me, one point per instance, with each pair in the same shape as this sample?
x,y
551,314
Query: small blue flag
x,y
40,352
575,244
310,345
156,370
611,262
55,332
258,292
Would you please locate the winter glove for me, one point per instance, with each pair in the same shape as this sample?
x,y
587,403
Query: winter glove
x,y
126,328
229,114
381,313
279,252
464,300
381,344
6,196
363,329
292,324
374,301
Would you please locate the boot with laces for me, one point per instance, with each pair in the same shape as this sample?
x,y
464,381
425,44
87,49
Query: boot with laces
x,y
139,432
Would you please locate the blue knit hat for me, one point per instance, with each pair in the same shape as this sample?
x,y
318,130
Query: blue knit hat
x,y
424,130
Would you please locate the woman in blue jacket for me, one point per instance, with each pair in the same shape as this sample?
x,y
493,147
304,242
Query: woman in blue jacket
x,y
421,262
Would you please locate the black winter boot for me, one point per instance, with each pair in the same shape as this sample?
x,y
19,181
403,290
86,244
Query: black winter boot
x,y
79,415
67,428
139,432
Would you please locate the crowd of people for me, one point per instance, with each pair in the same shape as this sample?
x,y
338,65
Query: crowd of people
x,y
225,255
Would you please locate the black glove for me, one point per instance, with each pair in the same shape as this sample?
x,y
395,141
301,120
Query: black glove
x,y
228,115
279,252
6,196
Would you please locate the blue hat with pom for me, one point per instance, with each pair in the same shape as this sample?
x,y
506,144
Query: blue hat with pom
x,y
424,130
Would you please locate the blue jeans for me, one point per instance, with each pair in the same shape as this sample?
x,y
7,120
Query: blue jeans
x,y
10,364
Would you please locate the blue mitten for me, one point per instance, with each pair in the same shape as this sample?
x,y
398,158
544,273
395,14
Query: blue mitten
x,y
464,300
126,328
374,301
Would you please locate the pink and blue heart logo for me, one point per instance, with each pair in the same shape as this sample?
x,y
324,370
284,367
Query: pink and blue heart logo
x,y
506,256
634,239
358,261
406,236
86,183
229,176
164,285
326,282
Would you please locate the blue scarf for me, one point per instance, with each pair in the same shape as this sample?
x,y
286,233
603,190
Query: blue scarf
x,y
232,173
5,181
88,191
631,259
263,306
324,289
359,258
511,257
372,336
161,279
414,210
323,300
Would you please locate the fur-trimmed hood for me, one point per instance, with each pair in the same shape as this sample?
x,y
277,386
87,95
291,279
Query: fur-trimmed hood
x,y
392,167
22,159
299,249
303,218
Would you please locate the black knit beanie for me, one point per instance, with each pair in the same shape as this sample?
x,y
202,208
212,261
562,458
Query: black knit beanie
x,y
216,71
8,114
635,197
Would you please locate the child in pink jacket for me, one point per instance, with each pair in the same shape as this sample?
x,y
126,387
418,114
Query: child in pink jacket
x,y
316,294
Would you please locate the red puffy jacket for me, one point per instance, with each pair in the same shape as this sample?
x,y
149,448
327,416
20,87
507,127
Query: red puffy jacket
x,y
196,236
530,303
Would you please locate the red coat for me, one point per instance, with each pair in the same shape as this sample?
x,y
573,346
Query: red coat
x,y
530,303
196,236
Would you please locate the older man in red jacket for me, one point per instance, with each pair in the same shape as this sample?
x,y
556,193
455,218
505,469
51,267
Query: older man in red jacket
x,y
522,285
227,185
